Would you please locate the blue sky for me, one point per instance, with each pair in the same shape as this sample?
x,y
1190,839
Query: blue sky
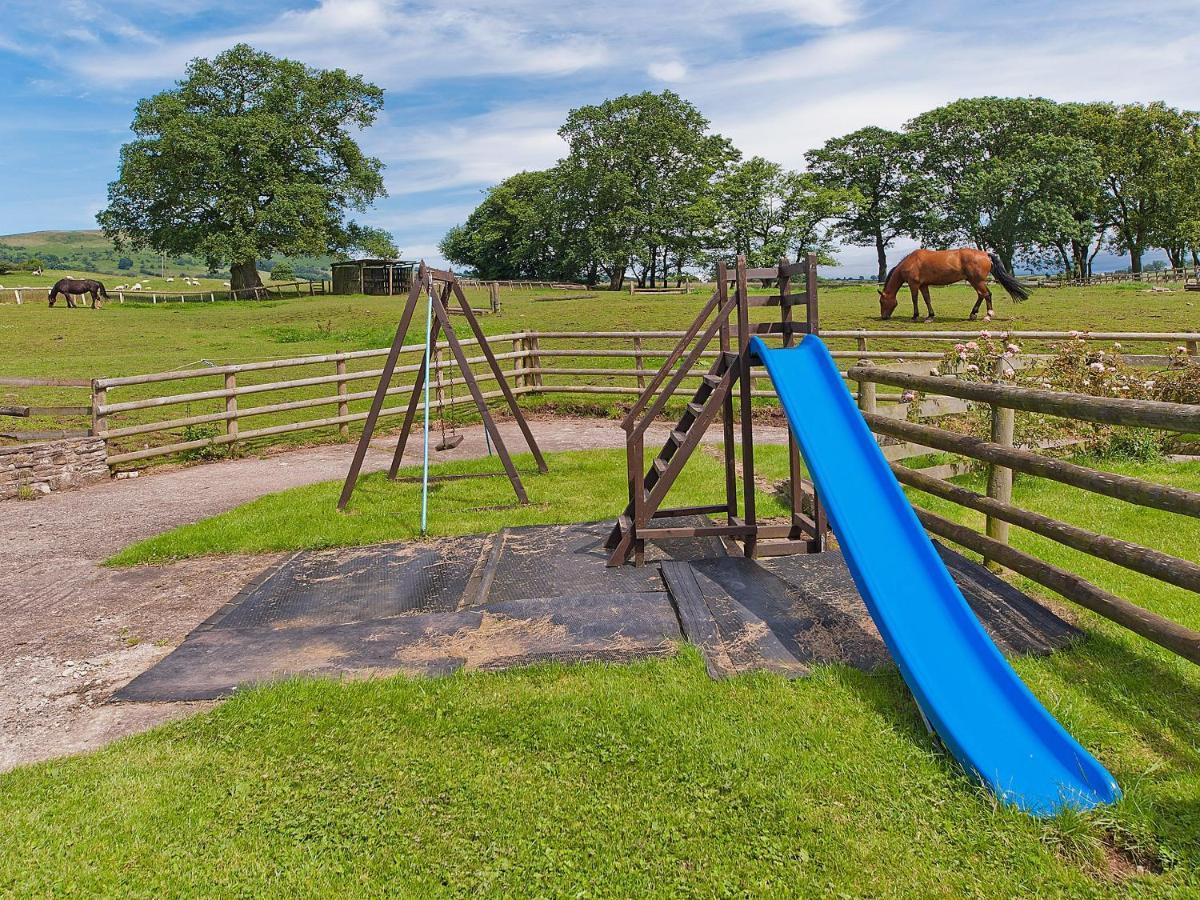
x,y
475,90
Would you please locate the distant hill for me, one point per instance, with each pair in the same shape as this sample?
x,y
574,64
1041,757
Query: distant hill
x,y
91,251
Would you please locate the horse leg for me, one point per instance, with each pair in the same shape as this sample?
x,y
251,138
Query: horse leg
x,y
913,289
928,303
95,297
70,301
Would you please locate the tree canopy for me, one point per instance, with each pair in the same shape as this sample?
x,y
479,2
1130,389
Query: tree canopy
x,y
647,187
247,156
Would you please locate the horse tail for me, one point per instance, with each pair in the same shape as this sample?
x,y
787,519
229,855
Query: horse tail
x,y
100,287
1015,289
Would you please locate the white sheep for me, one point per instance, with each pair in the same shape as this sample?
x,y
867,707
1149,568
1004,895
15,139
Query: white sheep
x,y
138,286
227,284
121,287
170,280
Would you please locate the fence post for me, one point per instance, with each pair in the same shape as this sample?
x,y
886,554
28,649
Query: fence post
x,y
518,362
1000,478
99,398
343,406
1192,349
638,360
866,389
535,359
231,422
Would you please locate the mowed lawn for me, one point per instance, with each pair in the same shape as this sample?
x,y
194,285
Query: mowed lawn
x,y
601,780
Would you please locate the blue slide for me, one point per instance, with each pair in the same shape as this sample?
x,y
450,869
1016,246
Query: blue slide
x,y
970,695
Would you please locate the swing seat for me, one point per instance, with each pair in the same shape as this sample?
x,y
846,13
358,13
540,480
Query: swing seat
x,y
449,442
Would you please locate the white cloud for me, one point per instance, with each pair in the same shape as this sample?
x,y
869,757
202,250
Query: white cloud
x,y
668,70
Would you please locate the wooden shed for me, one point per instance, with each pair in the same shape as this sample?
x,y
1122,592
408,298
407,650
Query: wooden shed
x,y
372,276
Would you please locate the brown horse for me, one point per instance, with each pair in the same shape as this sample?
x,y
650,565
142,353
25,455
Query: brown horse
x,y
78,287
922,268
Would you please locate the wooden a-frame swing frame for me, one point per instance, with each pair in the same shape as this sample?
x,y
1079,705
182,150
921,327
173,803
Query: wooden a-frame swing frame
x,y
443,287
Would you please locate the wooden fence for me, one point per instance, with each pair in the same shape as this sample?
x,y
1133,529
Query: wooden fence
x,y
1002,459
21,295
1150,276
22,410
598,363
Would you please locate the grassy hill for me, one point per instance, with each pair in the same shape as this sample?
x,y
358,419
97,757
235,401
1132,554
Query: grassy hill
x,y
91,251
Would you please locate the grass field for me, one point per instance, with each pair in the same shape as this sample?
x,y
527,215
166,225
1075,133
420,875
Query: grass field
x,y
615,781
136,338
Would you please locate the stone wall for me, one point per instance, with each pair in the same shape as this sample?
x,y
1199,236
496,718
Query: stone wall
x,y
51,466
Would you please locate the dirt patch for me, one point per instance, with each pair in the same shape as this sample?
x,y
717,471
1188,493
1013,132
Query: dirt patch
x,y
497,637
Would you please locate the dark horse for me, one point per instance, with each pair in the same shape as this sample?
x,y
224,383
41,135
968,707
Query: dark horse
x,y
922,268
77,286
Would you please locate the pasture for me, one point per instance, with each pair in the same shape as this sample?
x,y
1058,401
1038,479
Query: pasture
x,y
132,339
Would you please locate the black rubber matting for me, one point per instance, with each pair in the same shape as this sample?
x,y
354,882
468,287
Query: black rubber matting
x,y
544,593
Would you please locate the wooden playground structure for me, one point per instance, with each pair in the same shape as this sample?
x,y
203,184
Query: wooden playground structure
x,y
726,317
442,287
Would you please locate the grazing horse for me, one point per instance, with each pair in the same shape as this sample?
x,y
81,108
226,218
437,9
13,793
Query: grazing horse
x,y
78,287
922,268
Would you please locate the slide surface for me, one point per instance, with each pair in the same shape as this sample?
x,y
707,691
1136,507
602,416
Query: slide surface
x,y
979,707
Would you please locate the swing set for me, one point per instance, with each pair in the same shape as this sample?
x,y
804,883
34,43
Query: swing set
x,y
441,288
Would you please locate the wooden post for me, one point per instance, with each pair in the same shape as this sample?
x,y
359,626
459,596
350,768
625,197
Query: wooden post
x,y
231,405
866,389
1000,478
750,544
1192,349
99,398
343,407
518,346
638,360
535,359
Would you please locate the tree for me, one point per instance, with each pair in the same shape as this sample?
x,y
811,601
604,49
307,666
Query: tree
x,y
511,234
1001,174
765,212
874,163
282,271
640,166
124,263
247,156
1147,162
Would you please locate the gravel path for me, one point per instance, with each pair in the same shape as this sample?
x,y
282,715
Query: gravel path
x,y
74,631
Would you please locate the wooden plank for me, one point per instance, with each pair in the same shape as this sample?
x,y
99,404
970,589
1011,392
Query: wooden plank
x,y
1121,487
653,532
695,618
1180,640
1181,417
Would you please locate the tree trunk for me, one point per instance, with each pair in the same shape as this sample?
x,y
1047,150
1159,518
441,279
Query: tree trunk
x,y
881,255
1135,259
591,274
243,276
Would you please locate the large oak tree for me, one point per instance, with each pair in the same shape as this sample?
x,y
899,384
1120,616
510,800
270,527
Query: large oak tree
x,y
249,155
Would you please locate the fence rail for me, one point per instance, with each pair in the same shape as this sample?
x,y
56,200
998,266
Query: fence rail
x,y
1002,459
21,295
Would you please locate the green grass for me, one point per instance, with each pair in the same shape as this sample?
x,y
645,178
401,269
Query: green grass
x,y
581,486
622,780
